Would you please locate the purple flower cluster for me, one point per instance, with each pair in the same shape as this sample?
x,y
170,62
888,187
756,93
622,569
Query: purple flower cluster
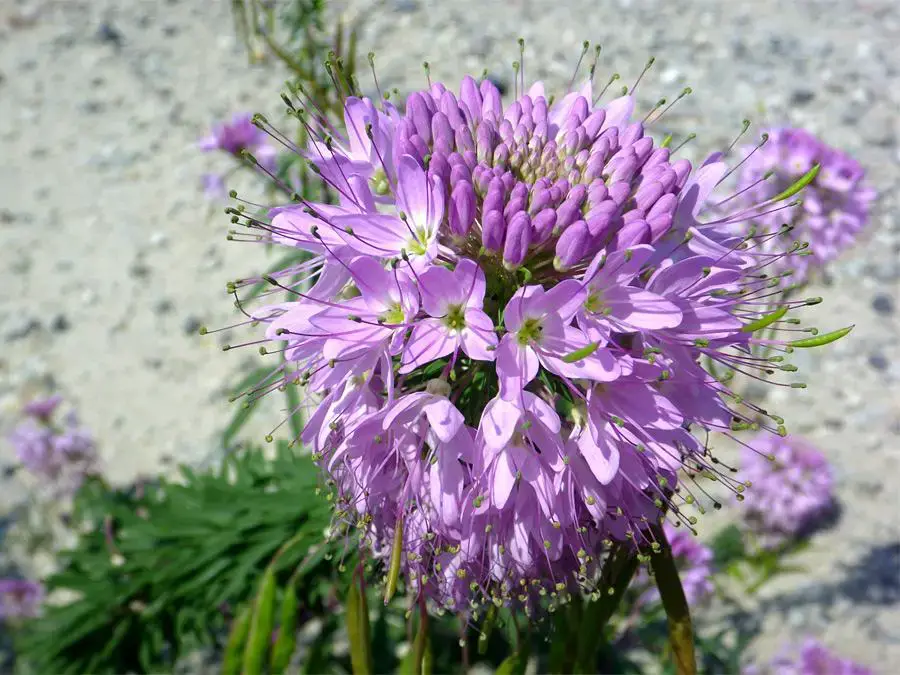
x,y
791,487
835,206
501,326
20,598
234,138
813,658
694,562
49,450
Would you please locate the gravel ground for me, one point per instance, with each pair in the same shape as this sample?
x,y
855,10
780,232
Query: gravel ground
x,y
111,261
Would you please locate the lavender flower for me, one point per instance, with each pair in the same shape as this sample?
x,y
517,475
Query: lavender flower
x,y
20,598
835,207
237,136
57,453
791,487
500,329
813,658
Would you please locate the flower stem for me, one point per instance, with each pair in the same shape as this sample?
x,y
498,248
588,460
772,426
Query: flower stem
x,y
678,615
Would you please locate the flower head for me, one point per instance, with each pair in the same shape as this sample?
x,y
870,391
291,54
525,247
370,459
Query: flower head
x,y
791,486
836,204
812,658
501,324
50,450
238,135
20,598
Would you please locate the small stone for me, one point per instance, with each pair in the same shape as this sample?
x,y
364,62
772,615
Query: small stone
x,y
60,324
802,96
108,33
879,362
883,304
7,217
406,6
159,239
92,107
140,269
164,306
192,325
19,327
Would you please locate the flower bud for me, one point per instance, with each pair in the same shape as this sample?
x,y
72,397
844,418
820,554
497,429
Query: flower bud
x,y
493,229
462,208
572,245
417,110
518,239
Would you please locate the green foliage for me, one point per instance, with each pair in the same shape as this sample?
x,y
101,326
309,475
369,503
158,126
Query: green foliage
x,y
158,567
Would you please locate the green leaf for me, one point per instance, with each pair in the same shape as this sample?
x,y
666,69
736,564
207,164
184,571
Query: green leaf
x,y
261,625
582,353
765,320
515,664
728,546
394,569
678,615
622,566
234,649
820,340
798,185
358,627
286,642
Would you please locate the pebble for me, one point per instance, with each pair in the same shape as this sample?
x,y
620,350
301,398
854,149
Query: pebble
x,y
60,324
20,326
883,304
192,325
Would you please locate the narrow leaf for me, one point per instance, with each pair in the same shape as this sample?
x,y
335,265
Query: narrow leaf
x,y
800,183
234,649
358,628
420,645
765,320
260,626
820,340
394,570
681,632
582,353
284,646
486,629
597,614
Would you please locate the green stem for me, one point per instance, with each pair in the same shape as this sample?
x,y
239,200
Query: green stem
x,y
678,614
421,637
622,565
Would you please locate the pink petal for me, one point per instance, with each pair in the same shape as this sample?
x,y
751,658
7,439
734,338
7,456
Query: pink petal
x,y
444,418
516,367
602,457
470,279
600,366
413,197
618,112
641,309
543,412
374,282
563,299
479,341
439,290
504,480
406,409
429,340
498,422
696,192
373,234
515,308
